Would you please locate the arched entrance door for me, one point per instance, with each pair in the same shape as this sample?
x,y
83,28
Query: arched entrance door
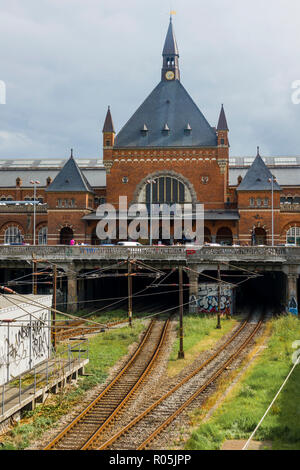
x,y
224,236
260,236
207,235
66,235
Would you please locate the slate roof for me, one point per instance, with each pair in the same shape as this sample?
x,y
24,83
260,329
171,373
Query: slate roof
x,y
70,178
257,177
108,123
170,46
169,103
222,124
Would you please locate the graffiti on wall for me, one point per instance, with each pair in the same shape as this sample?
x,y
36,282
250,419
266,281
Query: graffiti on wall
x,y
207,300
23,344
293,306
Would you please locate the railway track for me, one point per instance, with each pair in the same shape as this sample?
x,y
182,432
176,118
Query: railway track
x,y
101,412
78,327
149,424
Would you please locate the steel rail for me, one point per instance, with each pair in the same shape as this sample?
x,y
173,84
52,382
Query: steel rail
x,y
81,416
92,439
174,389
200,390
104,392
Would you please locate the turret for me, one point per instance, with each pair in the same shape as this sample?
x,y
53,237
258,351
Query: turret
x,y
170,69
222,129
108,131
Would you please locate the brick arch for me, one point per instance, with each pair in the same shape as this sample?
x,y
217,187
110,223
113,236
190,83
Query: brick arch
x,y
9,224
289,225
172,174
66,224
258,225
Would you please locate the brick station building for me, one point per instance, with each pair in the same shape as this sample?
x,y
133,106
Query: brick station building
x,y
168,141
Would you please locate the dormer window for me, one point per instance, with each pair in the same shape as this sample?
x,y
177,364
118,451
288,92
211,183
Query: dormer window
x,y
187,129
166,129
144,130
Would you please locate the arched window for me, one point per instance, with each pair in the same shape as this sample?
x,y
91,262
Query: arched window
x,y
12,235
293,236
43,236
167,190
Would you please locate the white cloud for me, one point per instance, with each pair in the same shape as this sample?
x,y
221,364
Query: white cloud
x,y
64,62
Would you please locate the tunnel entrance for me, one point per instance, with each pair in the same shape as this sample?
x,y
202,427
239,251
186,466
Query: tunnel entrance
x,y
266,293
149,294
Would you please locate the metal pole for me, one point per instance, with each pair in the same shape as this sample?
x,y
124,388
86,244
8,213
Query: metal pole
x,y
54,306
219,299
34,196
181,351
34,279
19,389
272,212
151,212
3,395
129,293
47,372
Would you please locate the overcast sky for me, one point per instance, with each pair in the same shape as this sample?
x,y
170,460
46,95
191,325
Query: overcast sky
x,y
64,61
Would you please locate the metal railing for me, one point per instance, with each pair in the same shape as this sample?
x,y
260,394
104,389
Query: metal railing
x,y
43,376
90,252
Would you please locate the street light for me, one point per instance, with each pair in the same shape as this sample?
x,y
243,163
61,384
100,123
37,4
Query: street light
x,y
150,181
34,203
272,180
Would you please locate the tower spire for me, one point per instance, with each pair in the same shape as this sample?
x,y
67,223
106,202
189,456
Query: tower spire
x,y
170,68
222,124
108,123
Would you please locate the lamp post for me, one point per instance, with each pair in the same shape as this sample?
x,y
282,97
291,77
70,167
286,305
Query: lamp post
x,y
150,181
35,182
272,180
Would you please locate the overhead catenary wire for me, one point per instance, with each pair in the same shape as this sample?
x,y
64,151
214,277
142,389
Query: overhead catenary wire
x,y
35,303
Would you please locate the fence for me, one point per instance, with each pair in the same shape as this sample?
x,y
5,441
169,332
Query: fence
x,y
43,376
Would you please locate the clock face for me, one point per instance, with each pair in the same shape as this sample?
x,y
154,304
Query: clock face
x,y
170,75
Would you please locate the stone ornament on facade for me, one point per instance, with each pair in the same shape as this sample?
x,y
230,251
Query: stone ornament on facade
x,y
108,164
222,165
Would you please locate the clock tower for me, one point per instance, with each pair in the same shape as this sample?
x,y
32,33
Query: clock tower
x,y
170,68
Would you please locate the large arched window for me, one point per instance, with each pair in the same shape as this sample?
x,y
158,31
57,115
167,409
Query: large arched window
x,y
165,190
43,236
293,236
12,235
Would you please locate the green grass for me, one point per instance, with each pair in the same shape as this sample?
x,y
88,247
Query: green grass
x,y
103,316
105,349
200,334
239,414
